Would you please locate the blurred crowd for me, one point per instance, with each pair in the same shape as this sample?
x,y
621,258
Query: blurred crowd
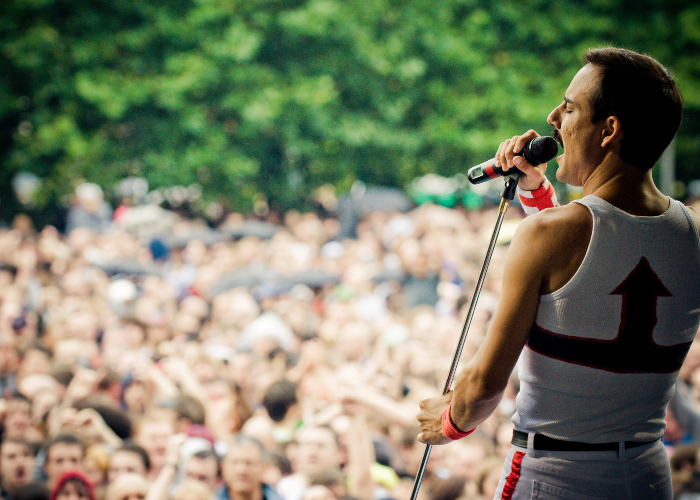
x,y
145,355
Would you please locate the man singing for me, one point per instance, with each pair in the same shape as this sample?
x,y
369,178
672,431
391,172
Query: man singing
x,y
599,303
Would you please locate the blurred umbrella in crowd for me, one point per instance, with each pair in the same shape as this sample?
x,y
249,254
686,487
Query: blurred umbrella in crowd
x,y
315,278
146,220
368,199
363,200
128,267
264,282
251,277
252,228
207,236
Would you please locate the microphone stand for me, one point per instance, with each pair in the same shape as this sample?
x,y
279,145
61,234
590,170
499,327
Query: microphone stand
x,y
507,196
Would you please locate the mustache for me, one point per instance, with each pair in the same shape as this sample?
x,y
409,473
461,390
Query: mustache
x,y
557,137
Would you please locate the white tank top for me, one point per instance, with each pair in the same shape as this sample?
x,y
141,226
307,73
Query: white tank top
x,y
603,355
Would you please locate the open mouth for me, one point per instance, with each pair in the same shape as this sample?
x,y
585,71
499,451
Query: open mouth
x,y
557,137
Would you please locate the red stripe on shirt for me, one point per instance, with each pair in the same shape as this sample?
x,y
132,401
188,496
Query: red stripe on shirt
x,y
513,477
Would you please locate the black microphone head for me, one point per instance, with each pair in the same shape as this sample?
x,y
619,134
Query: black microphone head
x,y
540,150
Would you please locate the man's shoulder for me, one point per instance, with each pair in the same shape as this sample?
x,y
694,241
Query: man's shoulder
x,y
269,493
552,244
290,487
694,214
569,211
563,222
221,493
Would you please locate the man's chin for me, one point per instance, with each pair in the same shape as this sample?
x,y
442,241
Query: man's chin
x,y
560,172
244,485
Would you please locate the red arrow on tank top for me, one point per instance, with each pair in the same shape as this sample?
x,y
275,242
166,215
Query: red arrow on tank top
x,y
634,349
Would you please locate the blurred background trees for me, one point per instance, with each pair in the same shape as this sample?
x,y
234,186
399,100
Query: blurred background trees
x,y
266,100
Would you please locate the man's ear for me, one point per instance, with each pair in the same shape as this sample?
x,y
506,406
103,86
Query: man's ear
x,y
611,133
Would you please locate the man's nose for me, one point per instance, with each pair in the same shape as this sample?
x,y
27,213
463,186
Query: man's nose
x,y
553,118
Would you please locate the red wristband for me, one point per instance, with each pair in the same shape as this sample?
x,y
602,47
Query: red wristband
x,y
539,199
449,427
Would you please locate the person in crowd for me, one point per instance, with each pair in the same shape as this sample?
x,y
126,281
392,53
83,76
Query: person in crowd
x,y
203,466
128,487
282,406
465,459
242,471
452,488
90,210
489,476
35,359
18,416
73,485
317,448
96,465
129,459
34,490
16,465
63,453
190,489
152,434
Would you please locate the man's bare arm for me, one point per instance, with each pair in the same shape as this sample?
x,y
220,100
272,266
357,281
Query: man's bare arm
x,y
541,258
480,384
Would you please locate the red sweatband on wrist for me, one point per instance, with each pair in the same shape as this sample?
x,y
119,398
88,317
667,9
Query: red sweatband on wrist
x,y
449,427
539,199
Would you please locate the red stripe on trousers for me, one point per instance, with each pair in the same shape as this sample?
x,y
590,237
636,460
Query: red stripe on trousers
x,y
513,477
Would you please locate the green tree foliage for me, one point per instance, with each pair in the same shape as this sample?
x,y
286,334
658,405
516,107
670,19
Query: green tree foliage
x,y
275,98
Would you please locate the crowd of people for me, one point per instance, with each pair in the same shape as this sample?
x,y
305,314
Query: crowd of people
x,y
256,360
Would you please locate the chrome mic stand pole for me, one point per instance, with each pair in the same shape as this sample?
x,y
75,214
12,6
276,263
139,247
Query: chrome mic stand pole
x,y
507,196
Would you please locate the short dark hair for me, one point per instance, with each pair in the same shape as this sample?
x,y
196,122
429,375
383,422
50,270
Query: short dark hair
x,y
37,346
191,408
20,441
643,95
278,398
63,374
63,439
280,460
131,447
81,486
34,490
18,396
240,439
206,454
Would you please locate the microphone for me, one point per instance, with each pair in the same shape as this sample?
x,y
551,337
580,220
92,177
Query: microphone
x,y
539,150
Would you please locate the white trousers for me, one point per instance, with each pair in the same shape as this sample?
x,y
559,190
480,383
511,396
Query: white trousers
x,y
641,473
